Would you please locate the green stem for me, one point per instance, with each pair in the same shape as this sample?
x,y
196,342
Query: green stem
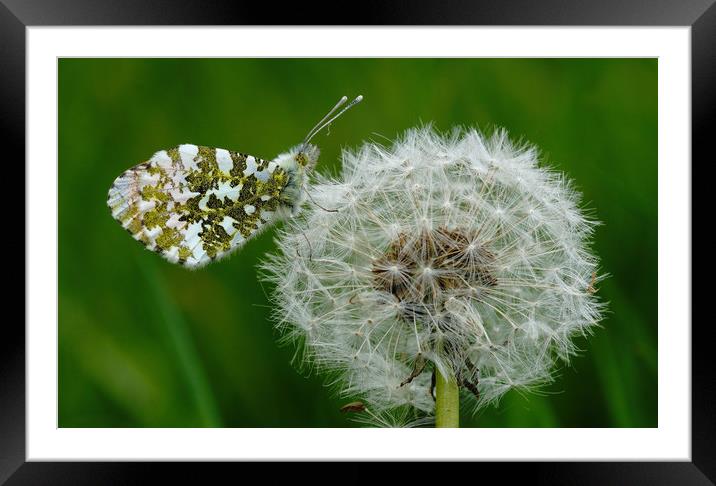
x,y
447,401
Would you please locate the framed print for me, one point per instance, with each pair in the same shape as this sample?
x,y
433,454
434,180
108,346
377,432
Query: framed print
x,y
477,221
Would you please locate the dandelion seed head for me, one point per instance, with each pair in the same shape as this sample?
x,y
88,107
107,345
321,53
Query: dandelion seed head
x,y
454,252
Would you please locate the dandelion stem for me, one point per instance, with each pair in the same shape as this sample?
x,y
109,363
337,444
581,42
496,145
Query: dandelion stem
x,y
447,401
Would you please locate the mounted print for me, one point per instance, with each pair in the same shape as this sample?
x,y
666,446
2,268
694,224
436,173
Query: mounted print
x,y
400,242
446,262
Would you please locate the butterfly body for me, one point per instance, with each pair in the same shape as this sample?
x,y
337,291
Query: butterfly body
x,y
194,204
296,163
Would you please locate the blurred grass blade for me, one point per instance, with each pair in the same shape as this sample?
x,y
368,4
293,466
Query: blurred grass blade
x,y
186,352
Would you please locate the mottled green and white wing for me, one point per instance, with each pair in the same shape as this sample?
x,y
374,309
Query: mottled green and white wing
x,y
195,204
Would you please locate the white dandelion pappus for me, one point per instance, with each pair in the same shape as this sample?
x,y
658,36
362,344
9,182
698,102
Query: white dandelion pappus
x,y
458,253
195,204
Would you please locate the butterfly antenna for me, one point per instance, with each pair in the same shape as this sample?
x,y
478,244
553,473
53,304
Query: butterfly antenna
x,y
323,123
313,130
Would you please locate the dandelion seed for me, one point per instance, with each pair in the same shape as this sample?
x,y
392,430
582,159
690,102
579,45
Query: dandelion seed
x,y
466,257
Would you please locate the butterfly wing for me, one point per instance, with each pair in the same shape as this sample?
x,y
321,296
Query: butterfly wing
x,y
195,204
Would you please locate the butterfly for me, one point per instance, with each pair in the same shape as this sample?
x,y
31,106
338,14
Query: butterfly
x,y
194,204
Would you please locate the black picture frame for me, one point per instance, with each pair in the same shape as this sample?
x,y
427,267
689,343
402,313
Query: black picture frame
x,y
16,15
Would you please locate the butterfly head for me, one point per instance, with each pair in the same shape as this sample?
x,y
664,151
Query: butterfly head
x,y
306,156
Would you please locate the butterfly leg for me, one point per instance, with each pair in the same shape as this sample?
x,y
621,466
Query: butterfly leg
x,y
310,249
314,202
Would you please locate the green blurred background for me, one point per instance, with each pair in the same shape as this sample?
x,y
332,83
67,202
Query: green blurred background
x,y
143,343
